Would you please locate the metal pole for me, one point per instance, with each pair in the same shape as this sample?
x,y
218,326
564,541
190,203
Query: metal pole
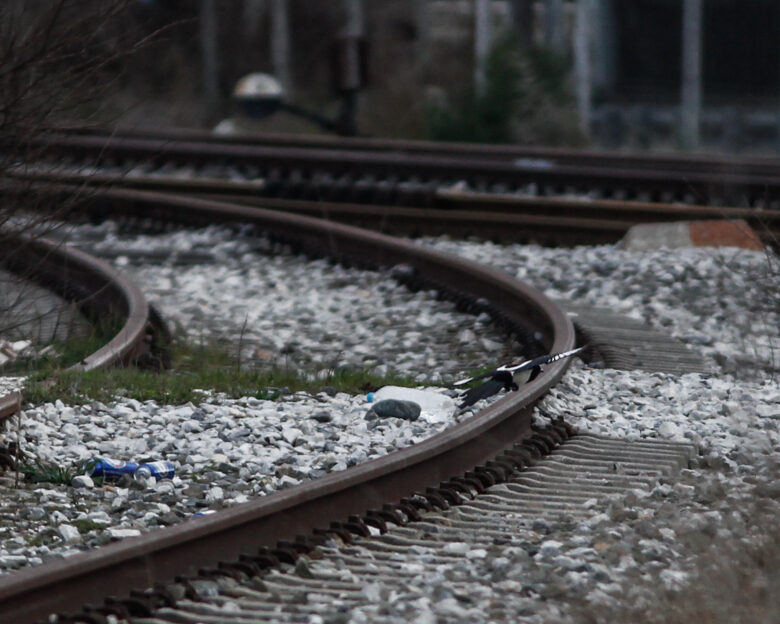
x,y
483,31
352,33
690,104
523,20
553,25
354,18
351,78
280,43
208,49
582,62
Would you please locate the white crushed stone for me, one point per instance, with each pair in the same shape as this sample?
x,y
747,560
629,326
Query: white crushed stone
x,y
286,310
723,302
10,384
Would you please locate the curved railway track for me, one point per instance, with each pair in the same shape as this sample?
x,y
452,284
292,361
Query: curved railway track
x,y
100,293
467,451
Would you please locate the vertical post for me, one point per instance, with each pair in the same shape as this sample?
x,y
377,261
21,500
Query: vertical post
x,y
280,43
351,70
690,92
351,37
208,50
253,15
522,12
354,18
422,19
603,48
582,62
483,32
554,25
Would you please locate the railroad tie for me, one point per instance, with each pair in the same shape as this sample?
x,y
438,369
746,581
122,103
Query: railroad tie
x,y
560,487
627,344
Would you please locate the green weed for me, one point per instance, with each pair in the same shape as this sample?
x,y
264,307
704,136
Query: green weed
x,y
64,353
484,117
47,472
86,525
197,369
525,99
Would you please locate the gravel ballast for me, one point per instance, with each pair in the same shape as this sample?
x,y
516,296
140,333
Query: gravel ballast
x,y
715,300
280,310
286,310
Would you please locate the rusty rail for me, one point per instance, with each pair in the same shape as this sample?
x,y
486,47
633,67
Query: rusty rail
x,y
159,556
493,216
100,292
707,185
712,163
10,404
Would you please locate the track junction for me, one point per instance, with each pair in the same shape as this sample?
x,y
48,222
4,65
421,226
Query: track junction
x,y
491,448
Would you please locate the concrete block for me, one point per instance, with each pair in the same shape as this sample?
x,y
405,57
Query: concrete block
x,y
714,233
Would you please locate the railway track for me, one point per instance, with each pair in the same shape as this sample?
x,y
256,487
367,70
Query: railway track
x,y
489,193
674,162
100,293
266,539
470,446
340,574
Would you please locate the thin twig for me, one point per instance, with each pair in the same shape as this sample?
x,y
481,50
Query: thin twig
x,y
241,343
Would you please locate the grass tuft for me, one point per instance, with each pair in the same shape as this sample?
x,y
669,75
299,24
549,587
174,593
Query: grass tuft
x,y
61,354
197,369
86,525
47,472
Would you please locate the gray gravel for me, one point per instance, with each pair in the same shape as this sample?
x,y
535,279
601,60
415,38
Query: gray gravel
x,y
31,318
284,310
717,301
723,302
10,384
225,451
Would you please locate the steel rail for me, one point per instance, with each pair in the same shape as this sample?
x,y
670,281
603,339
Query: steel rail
x,y
540,226
494,216
10,404
706,187
542,222
766,223
713,163
100,292
159,556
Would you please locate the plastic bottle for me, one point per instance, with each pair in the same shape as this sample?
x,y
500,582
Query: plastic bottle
x,y
158,470
109,468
